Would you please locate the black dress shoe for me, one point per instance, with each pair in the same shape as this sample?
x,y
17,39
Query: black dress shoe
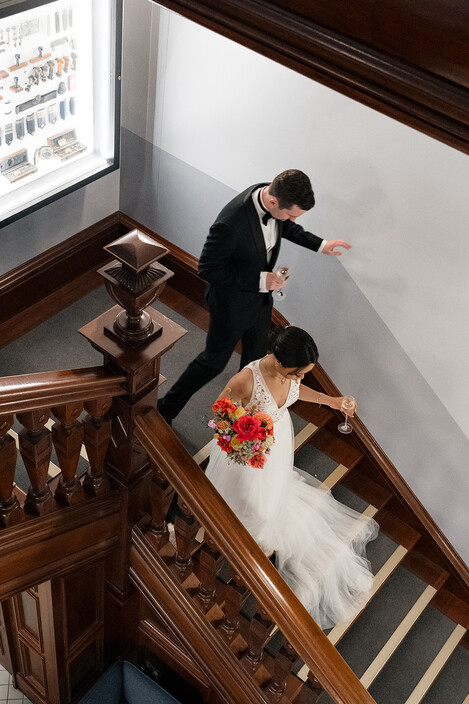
x,y
161,410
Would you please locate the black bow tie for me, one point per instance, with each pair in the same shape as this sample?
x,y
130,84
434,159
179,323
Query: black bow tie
x,y
266,216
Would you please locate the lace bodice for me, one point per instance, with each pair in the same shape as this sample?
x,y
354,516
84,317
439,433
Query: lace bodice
x,y
262,396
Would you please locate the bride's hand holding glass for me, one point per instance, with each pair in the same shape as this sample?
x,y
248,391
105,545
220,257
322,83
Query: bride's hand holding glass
x,y
348,406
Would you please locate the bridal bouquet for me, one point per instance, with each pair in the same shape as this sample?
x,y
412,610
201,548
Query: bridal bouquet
x,y
245,434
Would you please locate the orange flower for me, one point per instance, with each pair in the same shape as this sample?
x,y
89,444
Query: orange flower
x,y
223,425
225,405
266,420
257,461
224,444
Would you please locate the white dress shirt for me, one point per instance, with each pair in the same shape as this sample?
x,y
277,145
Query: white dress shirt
x,y
270,232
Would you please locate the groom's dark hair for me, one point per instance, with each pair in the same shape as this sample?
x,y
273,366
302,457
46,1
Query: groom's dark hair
x,y
293,347
292,187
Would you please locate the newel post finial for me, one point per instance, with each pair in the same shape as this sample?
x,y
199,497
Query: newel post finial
x,y
134,284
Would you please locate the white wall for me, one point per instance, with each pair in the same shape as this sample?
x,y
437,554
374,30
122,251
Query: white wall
x,y
390,317
397,195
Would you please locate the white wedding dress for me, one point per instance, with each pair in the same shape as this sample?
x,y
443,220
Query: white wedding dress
x,y
319,542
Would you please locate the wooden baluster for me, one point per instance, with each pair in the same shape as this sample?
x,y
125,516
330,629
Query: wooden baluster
x,y
310,691
96,441
210,559
235,595
67,436
9,506
185,529
161,495
36,448
259,632
284,661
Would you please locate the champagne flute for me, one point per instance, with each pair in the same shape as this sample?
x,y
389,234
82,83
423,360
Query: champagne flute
x,y
283,272
348,404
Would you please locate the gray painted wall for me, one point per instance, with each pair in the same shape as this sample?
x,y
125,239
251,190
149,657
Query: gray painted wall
x,y
34,234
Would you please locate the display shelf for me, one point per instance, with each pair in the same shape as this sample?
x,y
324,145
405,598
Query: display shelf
x,y
59,99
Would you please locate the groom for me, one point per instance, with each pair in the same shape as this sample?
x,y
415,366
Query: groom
x,y
237,262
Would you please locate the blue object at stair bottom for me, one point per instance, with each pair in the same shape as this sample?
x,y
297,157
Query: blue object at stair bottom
x,y
123,683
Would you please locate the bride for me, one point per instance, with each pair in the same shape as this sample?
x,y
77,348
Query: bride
x,y
319,543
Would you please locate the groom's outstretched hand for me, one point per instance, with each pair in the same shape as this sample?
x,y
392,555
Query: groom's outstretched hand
x,y
329,247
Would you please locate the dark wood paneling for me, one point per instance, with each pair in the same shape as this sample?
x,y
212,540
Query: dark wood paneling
x,y
158,645
79,626
406,60
389,25
36,671
67,539
5,653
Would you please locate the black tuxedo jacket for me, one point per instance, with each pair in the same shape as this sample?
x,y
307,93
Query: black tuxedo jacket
x,y
234,254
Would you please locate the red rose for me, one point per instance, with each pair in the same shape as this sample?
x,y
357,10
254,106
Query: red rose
x,y
257,461
224,405
249,428
224,444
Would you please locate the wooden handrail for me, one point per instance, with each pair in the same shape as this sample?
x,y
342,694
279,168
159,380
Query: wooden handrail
x,y
29,392
256,571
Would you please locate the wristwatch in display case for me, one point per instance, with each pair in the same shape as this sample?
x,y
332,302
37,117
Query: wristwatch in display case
x,y
60,87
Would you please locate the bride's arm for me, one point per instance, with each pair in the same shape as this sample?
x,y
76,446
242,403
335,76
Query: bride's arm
x,y
239,387
307,394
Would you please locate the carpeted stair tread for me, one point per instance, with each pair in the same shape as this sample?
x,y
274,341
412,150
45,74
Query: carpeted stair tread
x,y
452,684
379,550
315,462
298,422
377,622
409,663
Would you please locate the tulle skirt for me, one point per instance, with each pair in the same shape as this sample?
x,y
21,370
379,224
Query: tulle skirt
x,y
319,542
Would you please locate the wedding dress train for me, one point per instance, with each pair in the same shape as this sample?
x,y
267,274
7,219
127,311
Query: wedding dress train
x,y
319,542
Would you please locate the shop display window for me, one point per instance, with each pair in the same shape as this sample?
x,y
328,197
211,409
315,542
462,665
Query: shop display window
x,y
59,99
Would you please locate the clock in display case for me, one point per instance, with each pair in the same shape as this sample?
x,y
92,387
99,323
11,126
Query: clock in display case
x,y
59,99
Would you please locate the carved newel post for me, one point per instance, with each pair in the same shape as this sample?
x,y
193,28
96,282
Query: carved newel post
x,y
132,336
134,284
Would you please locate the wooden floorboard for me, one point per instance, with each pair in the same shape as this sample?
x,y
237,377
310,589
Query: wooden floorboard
x,y
366,488
396,529
337,449
426,570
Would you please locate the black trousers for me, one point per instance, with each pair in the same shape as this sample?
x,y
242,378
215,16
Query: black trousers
x,y
252,328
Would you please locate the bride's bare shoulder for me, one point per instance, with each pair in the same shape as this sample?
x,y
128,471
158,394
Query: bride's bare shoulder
x,y
240,386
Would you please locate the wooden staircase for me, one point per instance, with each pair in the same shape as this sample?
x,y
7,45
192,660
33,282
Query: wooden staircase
x,y
103,563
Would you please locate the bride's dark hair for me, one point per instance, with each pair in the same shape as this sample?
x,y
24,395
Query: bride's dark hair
x,y
293,347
